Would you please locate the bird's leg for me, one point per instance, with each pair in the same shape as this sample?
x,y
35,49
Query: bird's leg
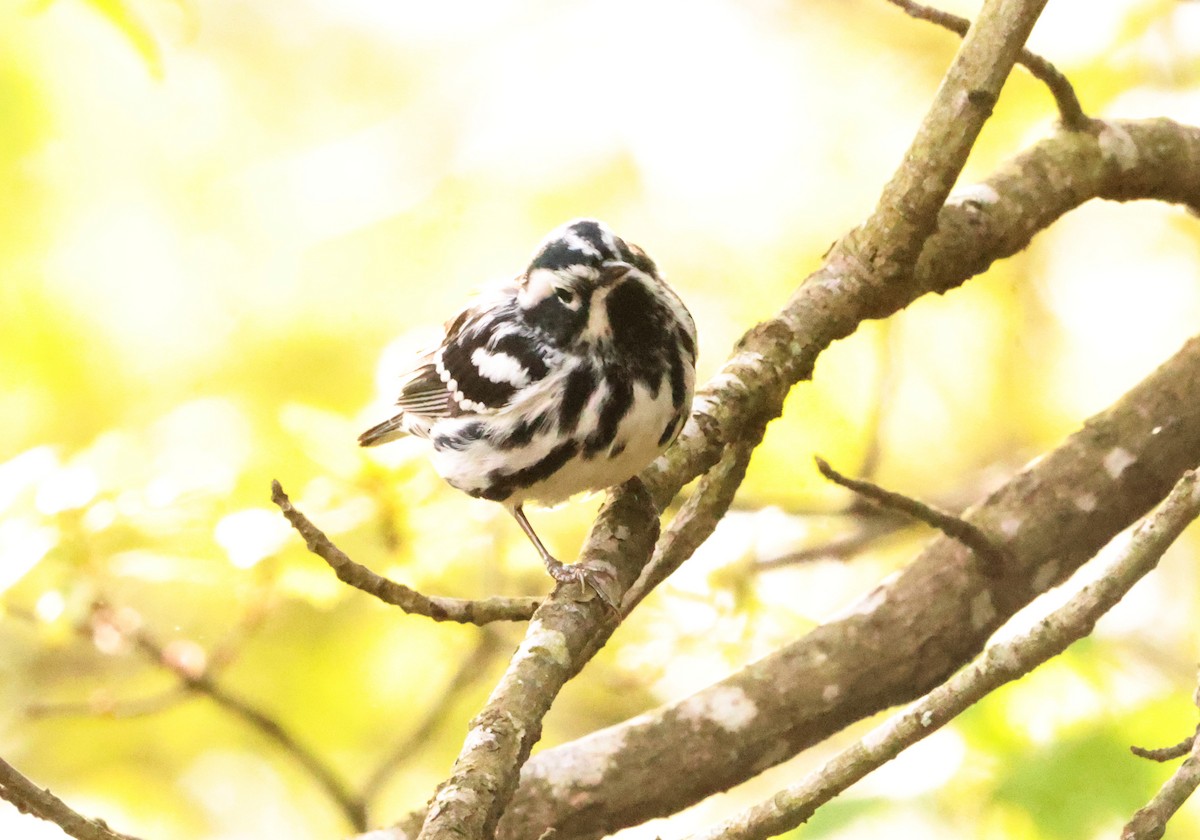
x,y
561,572
553,566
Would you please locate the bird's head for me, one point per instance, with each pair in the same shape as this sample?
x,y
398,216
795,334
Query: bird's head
x,y
585,285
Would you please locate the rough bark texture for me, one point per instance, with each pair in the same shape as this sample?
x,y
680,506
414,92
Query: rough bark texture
x,y
28,798
1003,662
909,634
900,641
1121,160
664,761
470,801
878,255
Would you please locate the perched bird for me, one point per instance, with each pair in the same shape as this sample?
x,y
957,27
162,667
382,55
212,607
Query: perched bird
x,y
574,376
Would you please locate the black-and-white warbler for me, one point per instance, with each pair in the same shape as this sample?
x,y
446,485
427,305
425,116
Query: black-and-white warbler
x,y
572,377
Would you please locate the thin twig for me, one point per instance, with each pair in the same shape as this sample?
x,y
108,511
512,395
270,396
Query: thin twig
x,y
203,683
472,669
992,558
115,708
461,610
999,664
1069,109
1167,753
111,707
39,802
353,807
1150,822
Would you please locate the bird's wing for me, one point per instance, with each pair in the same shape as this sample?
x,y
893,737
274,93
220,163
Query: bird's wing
x,y
488,356
423,399
423,392
485,358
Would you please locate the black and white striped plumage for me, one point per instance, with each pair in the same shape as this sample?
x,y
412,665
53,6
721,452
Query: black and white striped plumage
x,y
572,377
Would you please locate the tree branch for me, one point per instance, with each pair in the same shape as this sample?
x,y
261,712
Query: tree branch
x,y
561,638
697,518
1168,753
884,250
461,610
39,802
1150,822
1000,664
202,683
900,641
1069,110
1122,160
990,555
870,273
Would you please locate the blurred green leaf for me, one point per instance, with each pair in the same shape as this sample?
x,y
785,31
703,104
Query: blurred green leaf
x,y
1080,783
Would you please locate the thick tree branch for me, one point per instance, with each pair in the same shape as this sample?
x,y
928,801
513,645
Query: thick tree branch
x,y
1000,664
900,641
869,273
886,247
1126,160
39,802
359,576
884,250
561,638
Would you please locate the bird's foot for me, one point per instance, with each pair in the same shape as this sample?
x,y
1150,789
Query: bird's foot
x,y
597,580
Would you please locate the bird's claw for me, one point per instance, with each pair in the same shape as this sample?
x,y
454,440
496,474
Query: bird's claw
x,y
596,580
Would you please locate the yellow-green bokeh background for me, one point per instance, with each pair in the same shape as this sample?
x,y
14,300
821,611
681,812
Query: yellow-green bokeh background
x,y
221,223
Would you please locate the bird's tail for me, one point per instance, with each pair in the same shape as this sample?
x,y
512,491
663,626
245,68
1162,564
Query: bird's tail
x,y
384,432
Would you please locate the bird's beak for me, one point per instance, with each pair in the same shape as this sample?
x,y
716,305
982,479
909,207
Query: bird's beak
x,y
611,272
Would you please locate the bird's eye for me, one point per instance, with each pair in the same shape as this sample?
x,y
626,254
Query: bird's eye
x,y
564,294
